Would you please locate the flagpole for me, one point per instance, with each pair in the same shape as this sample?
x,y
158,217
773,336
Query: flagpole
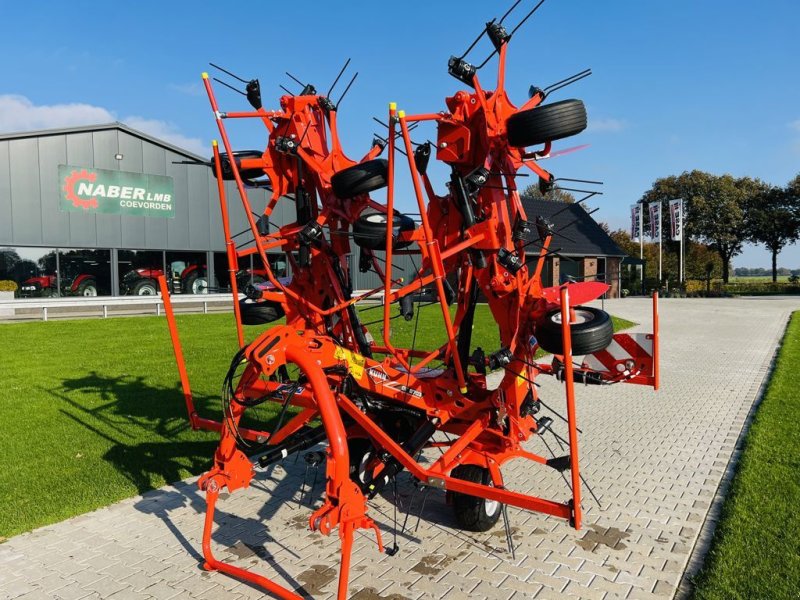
x,y
641,245
655,229
660,245
683,237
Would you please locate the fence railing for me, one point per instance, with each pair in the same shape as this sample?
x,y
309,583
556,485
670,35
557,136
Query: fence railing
x,y
108,306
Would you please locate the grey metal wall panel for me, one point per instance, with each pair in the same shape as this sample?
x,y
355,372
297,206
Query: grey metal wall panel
x,y
55,222
30,195
403,266
82,227
237,214
106,146
5,196
26,210
199,205
133,227
217,241
178,228
154,161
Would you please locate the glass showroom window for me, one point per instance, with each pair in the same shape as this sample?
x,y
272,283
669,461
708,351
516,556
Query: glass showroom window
x,y
252,271
84,272
34,270
188,274
221,271
139,271
277,263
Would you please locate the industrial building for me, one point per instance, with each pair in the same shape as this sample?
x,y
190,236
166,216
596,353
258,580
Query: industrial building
x,y
102,210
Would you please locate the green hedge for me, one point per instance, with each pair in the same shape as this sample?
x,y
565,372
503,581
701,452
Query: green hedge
x,y
762,288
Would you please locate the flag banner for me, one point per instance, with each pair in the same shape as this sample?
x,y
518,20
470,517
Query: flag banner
x,y
676,219
655,220
636,222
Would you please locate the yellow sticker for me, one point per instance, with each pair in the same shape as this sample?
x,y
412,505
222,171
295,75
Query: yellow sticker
x,y
355,362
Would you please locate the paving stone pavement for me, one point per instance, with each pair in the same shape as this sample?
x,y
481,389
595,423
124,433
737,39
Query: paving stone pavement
x,y
654,460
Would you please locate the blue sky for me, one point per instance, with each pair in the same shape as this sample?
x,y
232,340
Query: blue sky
x,y
677,85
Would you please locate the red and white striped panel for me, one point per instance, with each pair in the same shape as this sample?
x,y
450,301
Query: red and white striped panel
x,y
628,358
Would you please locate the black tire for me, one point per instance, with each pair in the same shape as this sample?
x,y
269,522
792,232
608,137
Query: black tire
x,y
474,514
197,283
87,287
145,287
360,179
369,230
227,168
259,313
594,332
546,123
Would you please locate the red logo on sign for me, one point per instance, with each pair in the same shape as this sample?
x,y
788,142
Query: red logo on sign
x,y
69,187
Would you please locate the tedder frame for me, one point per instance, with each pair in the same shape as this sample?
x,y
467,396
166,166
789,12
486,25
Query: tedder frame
x,y
373,405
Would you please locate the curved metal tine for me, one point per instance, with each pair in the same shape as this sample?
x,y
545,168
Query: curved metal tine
x,y
566,189
526,17
295,79
335,81
508,12
513,31
228,85
584,199
228,73
482,33
411,127
383,139
589,181
347,89
509,538
565,82
571,223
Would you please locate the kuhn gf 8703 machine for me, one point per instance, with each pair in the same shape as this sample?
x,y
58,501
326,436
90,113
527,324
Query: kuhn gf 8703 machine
x,y
373,405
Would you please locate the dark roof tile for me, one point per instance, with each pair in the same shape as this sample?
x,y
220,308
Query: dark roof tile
x,y
587,238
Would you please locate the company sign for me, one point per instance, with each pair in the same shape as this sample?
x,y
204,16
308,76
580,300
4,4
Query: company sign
x,y
115,192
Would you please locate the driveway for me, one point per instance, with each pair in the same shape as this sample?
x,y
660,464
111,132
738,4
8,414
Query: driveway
x,y
654,461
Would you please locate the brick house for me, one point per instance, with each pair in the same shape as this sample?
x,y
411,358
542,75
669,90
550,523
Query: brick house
x,y
585,251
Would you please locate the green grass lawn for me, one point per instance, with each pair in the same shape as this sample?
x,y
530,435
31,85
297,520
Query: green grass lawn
x,y
756,548
91,410
758,279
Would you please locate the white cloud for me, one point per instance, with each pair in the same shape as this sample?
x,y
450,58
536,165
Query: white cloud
x,y
169,133
18,113
606,125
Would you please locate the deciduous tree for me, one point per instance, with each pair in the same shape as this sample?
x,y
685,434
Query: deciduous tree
x,y
774,219
555,195
716,209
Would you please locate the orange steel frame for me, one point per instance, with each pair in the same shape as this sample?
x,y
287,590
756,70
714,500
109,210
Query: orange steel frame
x,y
455,400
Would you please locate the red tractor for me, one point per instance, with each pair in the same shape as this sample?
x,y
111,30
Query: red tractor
x,y
46,286
184,279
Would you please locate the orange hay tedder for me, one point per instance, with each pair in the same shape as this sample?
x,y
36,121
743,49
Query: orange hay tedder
x,y
373,405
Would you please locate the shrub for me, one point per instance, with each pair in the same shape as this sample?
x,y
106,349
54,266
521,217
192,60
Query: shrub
x,y
6,285
762,288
